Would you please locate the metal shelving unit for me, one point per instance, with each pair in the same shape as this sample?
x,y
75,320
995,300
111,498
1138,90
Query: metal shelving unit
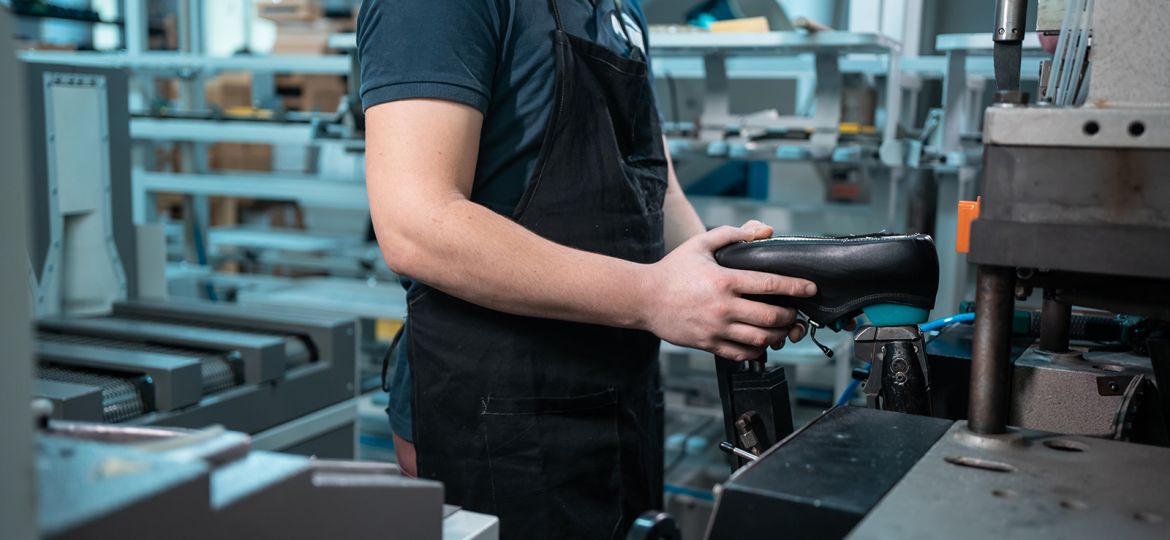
x,y
826,50
194,135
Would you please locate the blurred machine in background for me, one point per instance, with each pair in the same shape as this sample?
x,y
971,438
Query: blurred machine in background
x,y
111,347
108,349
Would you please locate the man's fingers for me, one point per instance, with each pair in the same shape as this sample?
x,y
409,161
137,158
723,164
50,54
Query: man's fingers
x,y
762,230
722,236
761,314
754,336
797,332
748,282
736,351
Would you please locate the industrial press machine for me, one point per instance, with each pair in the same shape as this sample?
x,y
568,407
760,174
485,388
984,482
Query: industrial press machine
x,y
1062,432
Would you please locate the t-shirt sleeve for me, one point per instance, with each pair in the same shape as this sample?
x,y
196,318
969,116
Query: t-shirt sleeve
x,y
439,49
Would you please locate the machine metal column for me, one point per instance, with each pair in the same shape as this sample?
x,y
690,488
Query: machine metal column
x,y
18,511
990,350
1055,319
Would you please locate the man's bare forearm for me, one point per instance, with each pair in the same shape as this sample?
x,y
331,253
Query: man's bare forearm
x,y
680,220
420,167
470,252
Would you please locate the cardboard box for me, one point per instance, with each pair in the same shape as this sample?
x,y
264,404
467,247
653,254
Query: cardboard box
x,y
320,93
750,24
289,10
229,90
239,157
307,37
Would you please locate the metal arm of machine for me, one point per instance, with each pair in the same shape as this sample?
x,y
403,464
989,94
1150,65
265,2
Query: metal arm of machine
x,y
1009,38
899,377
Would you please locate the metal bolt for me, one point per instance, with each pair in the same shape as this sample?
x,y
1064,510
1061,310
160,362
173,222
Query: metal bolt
x,y
1113,386
900,366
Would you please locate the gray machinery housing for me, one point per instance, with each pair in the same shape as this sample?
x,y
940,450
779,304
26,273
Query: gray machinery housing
x,y
109,352
99,481
1075,201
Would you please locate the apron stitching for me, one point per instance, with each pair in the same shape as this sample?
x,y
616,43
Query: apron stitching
x,y
615,67
491,475
620,488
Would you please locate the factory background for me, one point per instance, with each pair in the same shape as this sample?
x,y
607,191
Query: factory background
x,y
200,251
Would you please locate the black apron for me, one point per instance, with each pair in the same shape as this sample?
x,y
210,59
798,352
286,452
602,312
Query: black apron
x,y
556,427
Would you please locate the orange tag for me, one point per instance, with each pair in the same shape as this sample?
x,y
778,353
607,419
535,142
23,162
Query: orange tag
x,y
968,212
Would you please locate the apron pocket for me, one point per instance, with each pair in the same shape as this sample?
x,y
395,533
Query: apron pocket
x,y
558,455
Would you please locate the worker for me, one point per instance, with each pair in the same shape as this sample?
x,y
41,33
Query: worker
x,y
517,173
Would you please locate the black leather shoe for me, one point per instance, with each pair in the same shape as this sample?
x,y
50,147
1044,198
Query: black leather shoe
x,y
893,278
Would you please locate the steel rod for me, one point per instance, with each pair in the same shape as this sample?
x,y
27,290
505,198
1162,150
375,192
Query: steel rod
x,y
1055,321
991,348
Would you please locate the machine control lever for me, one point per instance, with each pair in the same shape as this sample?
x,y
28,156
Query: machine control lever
x,y
756,410
737,451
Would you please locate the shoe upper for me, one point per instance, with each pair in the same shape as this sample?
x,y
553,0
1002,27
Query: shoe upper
x,y
851,272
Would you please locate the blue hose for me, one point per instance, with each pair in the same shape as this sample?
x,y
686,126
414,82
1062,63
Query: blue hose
x,y
849,390
931,326
946,321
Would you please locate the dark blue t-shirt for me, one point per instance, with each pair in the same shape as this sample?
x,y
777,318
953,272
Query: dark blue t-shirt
x,y
496,56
